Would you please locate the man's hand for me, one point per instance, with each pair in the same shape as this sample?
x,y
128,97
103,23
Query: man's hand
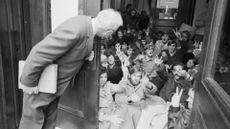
x,y
30,90
144,79
158,61
177,34
118,47
176,98
91,56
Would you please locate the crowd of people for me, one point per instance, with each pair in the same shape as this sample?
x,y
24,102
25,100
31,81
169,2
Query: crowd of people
x,y
147,81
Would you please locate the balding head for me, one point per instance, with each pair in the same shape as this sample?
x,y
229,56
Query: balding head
x,y
107,21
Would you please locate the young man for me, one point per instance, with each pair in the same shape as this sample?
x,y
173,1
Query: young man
x,y
173,55
68,46
179,79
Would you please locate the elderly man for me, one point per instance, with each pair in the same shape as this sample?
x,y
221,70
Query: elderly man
x,y
68,46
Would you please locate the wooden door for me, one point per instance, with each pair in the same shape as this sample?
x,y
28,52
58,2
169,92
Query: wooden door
x,y
211,108
11,50
78,105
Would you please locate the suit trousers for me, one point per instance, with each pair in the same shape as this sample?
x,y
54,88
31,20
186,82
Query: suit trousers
x,y
39,111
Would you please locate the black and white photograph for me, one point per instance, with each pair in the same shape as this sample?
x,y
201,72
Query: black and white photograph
x,y
114,64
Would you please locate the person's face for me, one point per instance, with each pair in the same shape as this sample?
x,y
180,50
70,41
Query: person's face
x,y
133,31
139,32
143,42
124,32
135,78
119,34
190,63
172,48
133,12
104,64
164,56
149,52
150,46
165,38
159,35
176,71
103,79
184,37
102,49
111,60
190,98
130,51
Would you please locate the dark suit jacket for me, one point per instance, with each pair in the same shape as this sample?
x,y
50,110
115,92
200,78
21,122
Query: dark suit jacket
x,y
68,46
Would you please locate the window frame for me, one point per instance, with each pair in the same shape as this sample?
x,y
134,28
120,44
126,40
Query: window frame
x,y
219,97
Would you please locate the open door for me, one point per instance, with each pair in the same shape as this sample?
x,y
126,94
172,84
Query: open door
x,y
78,105
211,108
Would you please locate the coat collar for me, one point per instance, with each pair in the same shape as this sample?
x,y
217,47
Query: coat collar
x,y
90,27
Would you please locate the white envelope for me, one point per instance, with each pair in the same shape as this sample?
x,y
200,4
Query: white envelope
x,y
48,80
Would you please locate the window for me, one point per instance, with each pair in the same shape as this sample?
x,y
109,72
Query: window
x,y
62,10
222,63
215,66
167,9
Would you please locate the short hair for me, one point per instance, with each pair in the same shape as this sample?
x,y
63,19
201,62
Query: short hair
x,y
178,64
170,42
187,33
109,19
128,6
133,69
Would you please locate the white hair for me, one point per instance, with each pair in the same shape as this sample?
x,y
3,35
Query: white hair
x,y
109,19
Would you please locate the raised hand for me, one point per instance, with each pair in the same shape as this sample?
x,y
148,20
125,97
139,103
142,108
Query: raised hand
x,y
196,52
196,44
177,34
144,79
118,47
158,61
176,98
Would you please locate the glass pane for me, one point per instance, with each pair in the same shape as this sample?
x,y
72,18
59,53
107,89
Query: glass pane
x,y
222,73
167,9
62,10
